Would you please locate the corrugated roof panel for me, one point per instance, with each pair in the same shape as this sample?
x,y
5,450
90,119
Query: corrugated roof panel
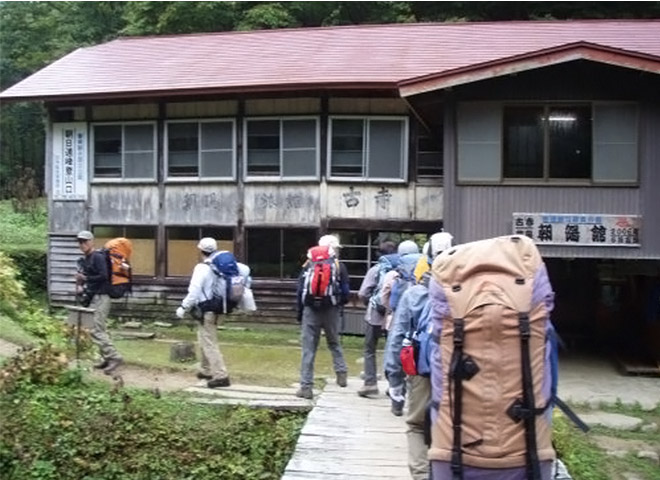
x,y
317,56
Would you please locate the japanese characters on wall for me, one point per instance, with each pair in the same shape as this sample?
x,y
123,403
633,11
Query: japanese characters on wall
x,y
579,229
69,174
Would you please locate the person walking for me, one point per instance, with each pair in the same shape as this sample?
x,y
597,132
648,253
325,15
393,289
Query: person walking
x,y
414,307
200,289
375,323
93,278
325,316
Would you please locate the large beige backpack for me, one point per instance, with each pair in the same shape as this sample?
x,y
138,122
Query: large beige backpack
x,y
492,374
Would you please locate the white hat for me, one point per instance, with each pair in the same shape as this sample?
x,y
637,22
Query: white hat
x,y
407,247
440,242
85,235
207,245
425,248
329,241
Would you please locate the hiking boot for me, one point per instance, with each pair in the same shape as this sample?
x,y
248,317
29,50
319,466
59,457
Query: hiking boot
x,y
203,376
366,390
341,379
101,365
218,382
397,408
112,365
305,392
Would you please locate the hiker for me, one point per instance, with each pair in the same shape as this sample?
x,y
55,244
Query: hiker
x,y
410,319
323,289
494,375
213,367
93,281
409,255
375,322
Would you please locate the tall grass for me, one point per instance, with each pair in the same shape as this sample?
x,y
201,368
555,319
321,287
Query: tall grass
x,y
23,230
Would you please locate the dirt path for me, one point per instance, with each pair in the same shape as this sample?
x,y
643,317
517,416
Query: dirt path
x,y
138,377
8,349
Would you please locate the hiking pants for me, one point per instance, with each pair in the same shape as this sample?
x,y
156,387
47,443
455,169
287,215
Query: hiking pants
x,y
371,336
207,335
419,395
312,322
99,333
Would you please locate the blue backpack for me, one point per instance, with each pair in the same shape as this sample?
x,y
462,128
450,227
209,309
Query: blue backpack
x,y
386,263
405,278
228,285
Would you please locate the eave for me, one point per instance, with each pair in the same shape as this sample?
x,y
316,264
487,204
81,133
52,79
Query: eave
x,y
521,63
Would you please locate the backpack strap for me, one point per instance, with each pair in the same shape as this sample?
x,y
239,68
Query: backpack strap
x,y
528,407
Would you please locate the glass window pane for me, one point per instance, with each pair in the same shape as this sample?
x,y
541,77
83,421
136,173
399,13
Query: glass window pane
x,y
295,245
182,137
299,134
347,148
263,149
385,149
299,163
105,233
182,164
570,142
263,162
217,136
429,156
217,164
523,142
264,262
107,151
139,138
107,165
139,165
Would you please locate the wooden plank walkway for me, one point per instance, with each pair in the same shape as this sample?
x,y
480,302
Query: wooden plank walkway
x,y
352,438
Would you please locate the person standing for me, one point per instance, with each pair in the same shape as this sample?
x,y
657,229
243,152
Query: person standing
x,y
200,289
326,317
414,307
375,322
93,278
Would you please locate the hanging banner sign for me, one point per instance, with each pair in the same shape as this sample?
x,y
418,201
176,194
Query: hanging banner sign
x,y
69,173
591,230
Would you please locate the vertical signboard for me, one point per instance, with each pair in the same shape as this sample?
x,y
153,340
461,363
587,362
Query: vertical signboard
x,y
69,161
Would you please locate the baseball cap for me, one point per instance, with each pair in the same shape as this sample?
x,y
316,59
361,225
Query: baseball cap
x,y
85,235
208,245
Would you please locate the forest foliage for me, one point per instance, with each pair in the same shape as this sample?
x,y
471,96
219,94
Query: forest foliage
x,y
34,34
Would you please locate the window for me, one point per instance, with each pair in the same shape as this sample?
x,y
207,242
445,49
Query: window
x,y
547,142
143,259
278,253
282,148
124,151
368,148
429,154
182,252
201,149
360,250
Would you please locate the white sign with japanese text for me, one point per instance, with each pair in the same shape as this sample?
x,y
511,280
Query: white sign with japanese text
x,y
579,229
69,161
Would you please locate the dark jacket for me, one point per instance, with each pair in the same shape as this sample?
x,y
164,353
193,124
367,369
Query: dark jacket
x,y
95,268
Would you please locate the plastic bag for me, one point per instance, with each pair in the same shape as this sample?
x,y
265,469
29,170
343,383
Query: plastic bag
x,y
247,303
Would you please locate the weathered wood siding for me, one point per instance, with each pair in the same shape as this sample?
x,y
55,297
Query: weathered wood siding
x,y
205,204
282,204
123,205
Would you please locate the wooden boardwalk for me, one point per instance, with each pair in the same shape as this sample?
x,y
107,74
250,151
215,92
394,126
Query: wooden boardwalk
x,y
348,437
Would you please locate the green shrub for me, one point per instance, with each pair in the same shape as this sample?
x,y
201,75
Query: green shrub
x,y
89,432
32,269
584,460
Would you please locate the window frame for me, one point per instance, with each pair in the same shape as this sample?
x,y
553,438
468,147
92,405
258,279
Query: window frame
x,y
366,119
123,233
122,178
198,177
279,178
546,179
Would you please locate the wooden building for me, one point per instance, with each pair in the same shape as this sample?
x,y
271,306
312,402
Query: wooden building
x,y
268,139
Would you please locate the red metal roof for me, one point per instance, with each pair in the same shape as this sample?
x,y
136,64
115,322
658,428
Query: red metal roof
x,y
370,56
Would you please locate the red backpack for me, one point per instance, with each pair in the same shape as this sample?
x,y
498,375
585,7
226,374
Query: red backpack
x,y
320,284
